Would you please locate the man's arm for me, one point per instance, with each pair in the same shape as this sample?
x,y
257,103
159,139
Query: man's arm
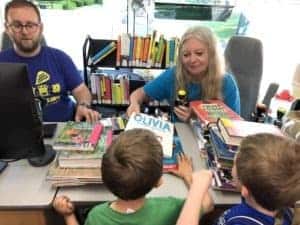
x,y
83,110
136,100
193,205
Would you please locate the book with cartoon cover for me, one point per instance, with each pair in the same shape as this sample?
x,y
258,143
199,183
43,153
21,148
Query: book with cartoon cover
x,y
78,136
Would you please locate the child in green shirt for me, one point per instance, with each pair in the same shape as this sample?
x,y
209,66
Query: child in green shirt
x,y
131,167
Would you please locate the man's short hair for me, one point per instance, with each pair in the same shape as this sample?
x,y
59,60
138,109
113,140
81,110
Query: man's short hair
x,y
21,3
268,166
132,165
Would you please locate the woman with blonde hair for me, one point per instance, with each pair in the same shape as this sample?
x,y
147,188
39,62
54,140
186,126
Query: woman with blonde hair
x,y
198,72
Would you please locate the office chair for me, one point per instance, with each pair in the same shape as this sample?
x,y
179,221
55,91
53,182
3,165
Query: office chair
x,y
7,43
244,59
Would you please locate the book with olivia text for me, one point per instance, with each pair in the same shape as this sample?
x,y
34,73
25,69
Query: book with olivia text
x,y
163,129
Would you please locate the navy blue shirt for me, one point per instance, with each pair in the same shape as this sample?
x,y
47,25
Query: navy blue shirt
x,y
244,214
53,75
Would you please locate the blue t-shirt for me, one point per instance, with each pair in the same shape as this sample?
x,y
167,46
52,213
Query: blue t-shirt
x,y
243,214
53,75
163,88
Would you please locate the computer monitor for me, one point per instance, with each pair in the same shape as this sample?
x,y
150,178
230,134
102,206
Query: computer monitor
x,y
21,134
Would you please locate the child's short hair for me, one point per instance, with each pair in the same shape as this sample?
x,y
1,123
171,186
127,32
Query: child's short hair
x,y
269,166
132,165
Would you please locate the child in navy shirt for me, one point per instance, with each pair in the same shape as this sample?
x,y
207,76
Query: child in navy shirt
x,y
266,170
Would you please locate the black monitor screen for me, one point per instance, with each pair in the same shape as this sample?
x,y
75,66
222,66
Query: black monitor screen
x,y
20,124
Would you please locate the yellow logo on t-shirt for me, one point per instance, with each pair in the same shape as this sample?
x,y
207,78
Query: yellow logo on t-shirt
x,y
42,77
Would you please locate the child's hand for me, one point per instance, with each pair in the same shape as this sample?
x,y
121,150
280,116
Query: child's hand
x,y
203,177
63,205
185,168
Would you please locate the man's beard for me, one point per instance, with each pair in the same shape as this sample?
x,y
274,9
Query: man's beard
x,y
27,48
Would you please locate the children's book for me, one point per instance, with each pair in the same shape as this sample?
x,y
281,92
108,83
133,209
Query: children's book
x,y
209,111
163,129
233,131
78,136
171,163
80,159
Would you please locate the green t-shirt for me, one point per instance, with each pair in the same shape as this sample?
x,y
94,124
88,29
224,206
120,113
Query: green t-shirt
x,y
156,211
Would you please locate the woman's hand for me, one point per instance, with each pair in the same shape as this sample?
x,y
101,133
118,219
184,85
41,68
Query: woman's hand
x,y
183,113
133,108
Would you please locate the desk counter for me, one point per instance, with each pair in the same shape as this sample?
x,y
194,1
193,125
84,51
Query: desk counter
x,y
172,186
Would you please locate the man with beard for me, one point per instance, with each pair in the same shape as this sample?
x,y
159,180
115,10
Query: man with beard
x,y
52,72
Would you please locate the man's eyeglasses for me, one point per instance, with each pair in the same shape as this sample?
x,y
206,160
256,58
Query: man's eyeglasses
x,y
30,27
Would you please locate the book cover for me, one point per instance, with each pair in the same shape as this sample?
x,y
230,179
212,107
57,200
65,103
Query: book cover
x,y
233,131
171,163
209,111
163,129
78,136
79,159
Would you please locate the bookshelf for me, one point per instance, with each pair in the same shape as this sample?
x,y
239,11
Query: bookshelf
x,y
133,81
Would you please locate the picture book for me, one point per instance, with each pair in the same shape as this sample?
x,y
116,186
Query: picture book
x,y
171,163
80,159
163,129
233,131
209,111
78,136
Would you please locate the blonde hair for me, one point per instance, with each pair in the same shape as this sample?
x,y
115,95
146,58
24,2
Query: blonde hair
x,y
211,83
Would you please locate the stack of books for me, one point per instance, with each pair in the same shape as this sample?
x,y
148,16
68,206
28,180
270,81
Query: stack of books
x,y
224,130
80,147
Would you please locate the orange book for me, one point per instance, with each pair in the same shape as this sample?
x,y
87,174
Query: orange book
x,y
118,58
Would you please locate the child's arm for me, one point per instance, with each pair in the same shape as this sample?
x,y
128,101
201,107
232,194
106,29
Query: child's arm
x,y
193,205
65,207
185,171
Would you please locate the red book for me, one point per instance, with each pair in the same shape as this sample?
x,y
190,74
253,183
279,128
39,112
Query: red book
x,y
209,111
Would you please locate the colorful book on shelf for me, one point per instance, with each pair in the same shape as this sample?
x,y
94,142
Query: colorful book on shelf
x,y
163,129
170,163
78,136
102,53
233,131
209,111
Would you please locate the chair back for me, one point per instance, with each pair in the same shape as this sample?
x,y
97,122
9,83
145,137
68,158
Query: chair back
x,y
244,59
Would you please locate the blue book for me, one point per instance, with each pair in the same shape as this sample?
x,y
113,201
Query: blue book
x,y
171,162
107,49
223,151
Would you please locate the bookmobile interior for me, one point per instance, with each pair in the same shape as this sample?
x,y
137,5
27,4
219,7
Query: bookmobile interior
x,y
274,22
